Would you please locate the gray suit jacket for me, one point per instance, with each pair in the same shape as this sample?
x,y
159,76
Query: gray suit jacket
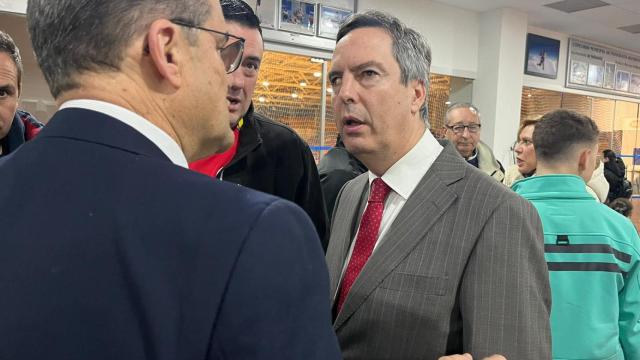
x,y
461,269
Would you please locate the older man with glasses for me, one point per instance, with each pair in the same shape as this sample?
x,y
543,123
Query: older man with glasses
x,y
134,256
462,124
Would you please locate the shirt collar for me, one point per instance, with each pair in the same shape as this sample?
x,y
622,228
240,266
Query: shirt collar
x,y
156,135
474,155
403,176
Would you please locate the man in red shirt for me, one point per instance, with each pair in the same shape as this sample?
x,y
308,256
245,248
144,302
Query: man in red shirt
x,y
266,155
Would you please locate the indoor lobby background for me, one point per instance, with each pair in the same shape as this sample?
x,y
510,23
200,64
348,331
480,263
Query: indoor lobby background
x,y
478,51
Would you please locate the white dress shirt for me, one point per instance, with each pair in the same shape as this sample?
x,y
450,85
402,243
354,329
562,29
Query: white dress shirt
x,y
156,135
403,178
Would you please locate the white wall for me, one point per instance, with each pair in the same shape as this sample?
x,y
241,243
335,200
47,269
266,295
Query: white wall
x,y
452,32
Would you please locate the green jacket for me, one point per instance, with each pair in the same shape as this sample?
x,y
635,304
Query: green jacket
x,y
592,254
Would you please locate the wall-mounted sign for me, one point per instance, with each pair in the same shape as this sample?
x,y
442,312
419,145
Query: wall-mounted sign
x,y
603,69
15,6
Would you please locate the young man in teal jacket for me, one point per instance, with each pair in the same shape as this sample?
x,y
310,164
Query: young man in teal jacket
x,y
592,252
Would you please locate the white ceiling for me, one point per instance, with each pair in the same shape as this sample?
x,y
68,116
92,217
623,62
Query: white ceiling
x,y
599,24
17,6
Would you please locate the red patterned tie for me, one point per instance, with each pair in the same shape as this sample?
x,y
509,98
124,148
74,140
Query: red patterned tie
x,y
366,239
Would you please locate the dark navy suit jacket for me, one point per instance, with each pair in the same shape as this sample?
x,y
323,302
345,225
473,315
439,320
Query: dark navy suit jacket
x,y
133,257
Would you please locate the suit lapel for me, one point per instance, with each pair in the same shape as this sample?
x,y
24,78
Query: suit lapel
x,y
431,198
344,226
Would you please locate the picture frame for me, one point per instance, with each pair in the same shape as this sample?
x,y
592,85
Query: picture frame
x,y
329,20
579,71
340,4
634,84
622,80
266,11
595,75
542,56
609,75
297,16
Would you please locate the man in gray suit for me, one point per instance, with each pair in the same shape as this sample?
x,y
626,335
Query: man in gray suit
x,y
428,256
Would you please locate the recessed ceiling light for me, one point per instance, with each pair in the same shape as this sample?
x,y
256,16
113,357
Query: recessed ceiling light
x,y
265,83
262,99
317,74
303,84
330,90
571,6
317,60
294,95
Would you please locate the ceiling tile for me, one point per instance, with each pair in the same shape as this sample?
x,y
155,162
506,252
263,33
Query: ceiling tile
x,y
611,16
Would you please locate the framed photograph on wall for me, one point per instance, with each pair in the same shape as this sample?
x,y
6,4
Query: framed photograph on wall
x,y
298,16
622,80
634,85
609,75
579,71
542,56
330,19
595,76
266,10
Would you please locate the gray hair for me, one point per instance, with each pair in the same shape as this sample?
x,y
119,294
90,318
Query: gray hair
x,y
410,49
463,105
71,37
8,46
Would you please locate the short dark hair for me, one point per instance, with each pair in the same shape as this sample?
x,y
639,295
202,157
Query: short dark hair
x,y
240,12
609,154
410,49
559,131
74,36
8,46
622,206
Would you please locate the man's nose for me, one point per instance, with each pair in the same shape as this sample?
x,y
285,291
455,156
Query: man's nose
x,y
236,79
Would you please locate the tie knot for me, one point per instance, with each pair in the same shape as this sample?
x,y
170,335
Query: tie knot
x,y
379,190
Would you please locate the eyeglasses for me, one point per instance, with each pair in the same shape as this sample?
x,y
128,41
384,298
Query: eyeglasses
x,y
231,54
459,128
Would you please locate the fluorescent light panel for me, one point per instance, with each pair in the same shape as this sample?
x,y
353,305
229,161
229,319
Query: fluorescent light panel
x,y
571,6
634,29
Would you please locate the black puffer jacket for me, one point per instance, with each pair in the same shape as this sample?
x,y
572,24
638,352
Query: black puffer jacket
x,y
273,159
614,172
336,168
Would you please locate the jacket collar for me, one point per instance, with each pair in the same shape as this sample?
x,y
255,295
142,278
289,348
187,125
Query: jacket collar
x,y
249,136
557,186
95,127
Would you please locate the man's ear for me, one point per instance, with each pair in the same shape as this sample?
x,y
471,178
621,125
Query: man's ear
x,y
583,159
163,48
419,91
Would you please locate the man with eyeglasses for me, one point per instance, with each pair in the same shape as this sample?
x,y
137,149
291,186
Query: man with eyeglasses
x,y
134,256
462,124
266,155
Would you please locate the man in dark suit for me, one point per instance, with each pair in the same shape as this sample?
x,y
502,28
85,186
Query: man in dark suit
x,y
134,256
428,256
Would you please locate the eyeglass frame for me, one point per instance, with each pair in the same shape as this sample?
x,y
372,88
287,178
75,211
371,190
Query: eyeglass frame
x,y
236,63
468,127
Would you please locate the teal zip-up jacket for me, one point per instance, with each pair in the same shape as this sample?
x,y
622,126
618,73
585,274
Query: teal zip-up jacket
x,y
593,254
